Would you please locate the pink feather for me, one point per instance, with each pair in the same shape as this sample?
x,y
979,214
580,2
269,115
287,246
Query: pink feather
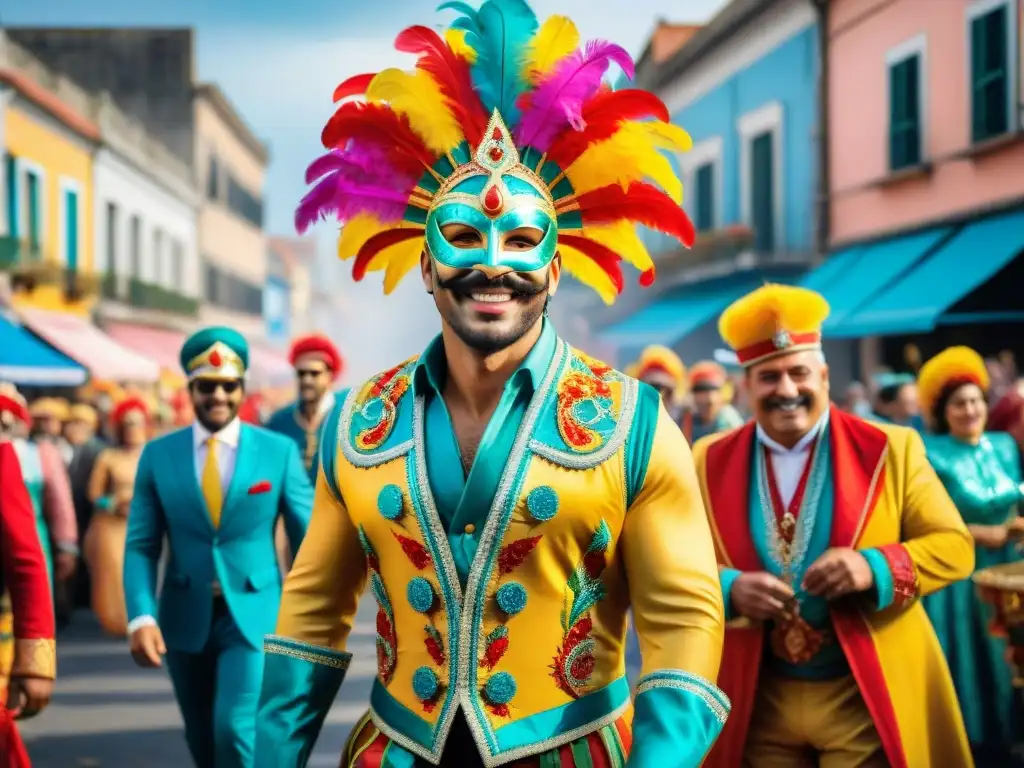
x,y
558,101
348,186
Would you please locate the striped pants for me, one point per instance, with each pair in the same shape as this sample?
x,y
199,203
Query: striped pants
x,y
606,747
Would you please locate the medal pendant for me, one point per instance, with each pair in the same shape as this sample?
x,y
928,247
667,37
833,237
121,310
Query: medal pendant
x,y
787,526
796,641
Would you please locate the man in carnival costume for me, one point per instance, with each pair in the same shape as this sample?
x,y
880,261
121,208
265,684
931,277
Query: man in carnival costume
x,y
662,369
214,491
24,572
503,589
318,364
829,530
711,395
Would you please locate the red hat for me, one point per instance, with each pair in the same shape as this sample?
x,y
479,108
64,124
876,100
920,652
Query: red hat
x,y
11,400
129,405
707,375
319,346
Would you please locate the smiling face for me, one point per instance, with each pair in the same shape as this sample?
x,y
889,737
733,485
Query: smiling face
x,y
216,401
965,412
490,308
789,394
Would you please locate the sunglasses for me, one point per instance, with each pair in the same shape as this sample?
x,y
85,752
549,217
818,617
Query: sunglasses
x,y
207,387
305,373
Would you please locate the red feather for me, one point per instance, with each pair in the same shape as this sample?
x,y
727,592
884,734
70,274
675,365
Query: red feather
x,y
601,117
376,124
640,203
451,74
607,259
354,86
378,243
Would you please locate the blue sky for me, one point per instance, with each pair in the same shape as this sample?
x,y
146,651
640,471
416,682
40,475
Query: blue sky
x,y
278,61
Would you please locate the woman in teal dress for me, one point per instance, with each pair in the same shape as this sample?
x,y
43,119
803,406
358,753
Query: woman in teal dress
x,y
981,472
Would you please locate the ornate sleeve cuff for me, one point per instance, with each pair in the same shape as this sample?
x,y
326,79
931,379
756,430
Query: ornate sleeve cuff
x,y
895,576
300,682
35,658
675,713
726,576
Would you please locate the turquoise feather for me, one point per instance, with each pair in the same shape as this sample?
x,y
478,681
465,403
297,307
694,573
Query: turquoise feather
x,y
500,33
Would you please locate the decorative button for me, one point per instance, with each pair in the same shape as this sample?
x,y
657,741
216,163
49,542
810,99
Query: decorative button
x,y
500,689
425,683
511,598
390,502
420,594
470,528
542,503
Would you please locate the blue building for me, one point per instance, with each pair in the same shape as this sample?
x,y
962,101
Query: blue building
x,y
745,87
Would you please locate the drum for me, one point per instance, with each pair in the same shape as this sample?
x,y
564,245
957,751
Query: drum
x,y
1002,587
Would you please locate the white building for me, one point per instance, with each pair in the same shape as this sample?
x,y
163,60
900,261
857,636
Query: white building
x,y
146,206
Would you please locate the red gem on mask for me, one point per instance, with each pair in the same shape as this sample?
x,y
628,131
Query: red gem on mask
x,y
497,134
492,200
496,153
215,359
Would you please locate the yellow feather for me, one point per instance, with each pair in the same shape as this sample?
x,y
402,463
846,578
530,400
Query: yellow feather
x,y
456,39
634,153
417,96
357,231
404,259
622,238
580,266
556,39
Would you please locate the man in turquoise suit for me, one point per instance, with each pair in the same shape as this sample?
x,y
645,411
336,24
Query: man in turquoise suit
x,y
214,491
317,364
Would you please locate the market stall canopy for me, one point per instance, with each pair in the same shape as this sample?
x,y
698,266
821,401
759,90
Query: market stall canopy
x,y
27,360
103,357
161,345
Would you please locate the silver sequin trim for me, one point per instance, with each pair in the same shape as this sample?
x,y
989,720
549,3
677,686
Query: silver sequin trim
x,y
349,451
696,686
570,460
274,644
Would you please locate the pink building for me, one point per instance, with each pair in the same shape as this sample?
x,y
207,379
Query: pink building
x,y
925,174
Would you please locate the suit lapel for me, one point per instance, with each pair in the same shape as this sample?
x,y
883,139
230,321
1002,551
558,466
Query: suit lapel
x,y
858,466
245,461
186,480
727,468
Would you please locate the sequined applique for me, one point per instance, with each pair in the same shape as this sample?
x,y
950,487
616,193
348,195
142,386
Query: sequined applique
x,y
584,404
377,405
906,587
512,555
387,637
574,663
416,552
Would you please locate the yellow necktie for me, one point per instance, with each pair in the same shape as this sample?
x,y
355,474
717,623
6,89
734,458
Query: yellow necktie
x,y
212,491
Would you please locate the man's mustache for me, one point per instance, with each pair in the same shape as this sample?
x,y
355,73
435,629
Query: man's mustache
x,y
778,403
471,280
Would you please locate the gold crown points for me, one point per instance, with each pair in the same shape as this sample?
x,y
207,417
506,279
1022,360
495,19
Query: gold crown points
x,y
216,356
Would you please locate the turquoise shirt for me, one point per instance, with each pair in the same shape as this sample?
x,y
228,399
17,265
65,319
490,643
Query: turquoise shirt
x,y
726,418
463,502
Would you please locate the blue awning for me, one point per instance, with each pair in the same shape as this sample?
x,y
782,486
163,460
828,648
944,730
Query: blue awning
x,y
917,303
28,361
871,270
823,277
674,316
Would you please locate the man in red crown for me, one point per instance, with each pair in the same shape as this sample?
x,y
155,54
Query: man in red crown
x,y
24,573
318,364
828,529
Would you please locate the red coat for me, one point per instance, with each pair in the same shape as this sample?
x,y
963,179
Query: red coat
x,y
26,579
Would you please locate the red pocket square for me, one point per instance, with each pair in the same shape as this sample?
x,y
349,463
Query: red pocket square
x,y
261,487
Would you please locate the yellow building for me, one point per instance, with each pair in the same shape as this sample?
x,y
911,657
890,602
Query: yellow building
x,y
48,143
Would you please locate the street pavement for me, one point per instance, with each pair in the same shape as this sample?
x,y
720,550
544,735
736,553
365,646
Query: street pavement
x,y
108,713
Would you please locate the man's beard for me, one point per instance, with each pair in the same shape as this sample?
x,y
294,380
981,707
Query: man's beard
x,y
531,296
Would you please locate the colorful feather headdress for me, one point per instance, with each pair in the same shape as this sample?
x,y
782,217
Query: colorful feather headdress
x,y
500,90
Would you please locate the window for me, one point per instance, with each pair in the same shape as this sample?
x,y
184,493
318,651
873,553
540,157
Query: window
x,y
992,30
227,291
178,267
907,86
157,268
761,168
11,193
213,179
244,204
112,221
33,198
135,254
704,194
70,203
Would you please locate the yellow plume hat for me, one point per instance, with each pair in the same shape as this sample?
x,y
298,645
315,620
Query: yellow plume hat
x,y
955,365
657,357
773,320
